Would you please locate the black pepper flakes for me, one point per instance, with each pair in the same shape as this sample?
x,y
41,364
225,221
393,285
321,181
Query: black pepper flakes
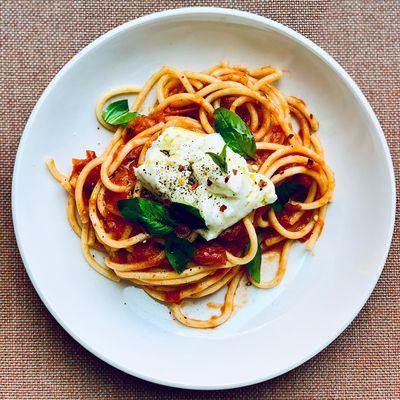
x,y
192,180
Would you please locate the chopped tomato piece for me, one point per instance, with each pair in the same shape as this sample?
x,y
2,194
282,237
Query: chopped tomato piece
x,y
115,225
124,176
79,164
234,232
92,178
210,254
145,251
234,238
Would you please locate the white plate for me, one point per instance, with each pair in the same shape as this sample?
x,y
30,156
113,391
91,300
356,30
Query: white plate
x,y
271,331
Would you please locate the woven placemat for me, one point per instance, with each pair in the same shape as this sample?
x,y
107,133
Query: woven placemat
x,y
38,360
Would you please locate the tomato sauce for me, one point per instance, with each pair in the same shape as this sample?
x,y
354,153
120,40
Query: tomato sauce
x,y
190,111
124,175
261,156
303,180
133,156
90,183
227,101
79,164
276,248
244,114
144,251
276,135
234,232
111,199
140,124
92,178
285,216
261,212
234,239
115,225
210,254
306,237
292,207
265,233
173,296
175,89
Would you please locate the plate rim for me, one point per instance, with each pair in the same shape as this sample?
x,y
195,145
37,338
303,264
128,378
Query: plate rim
x,y
249,18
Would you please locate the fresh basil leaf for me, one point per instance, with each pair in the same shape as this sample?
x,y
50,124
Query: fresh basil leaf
x,y
235,132
254,266
178,252
277,206
284,191
118,113
188,215
220,159
125,118
152,215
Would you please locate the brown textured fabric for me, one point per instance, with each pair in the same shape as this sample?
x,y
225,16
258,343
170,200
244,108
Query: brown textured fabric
x,y
38,360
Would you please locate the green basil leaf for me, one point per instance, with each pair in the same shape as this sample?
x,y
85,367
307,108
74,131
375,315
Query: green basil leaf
x,y
178,252
188,215
277,206
220,159
118,113
235,132
152,215
254,266
284,191
125,118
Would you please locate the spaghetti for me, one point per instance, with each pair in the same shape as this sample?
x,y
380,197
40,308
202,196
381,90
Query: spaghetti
x,y
188,99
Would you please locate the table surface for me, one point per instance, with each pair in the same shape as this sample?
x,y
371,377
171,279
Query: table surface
x,y
38,360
